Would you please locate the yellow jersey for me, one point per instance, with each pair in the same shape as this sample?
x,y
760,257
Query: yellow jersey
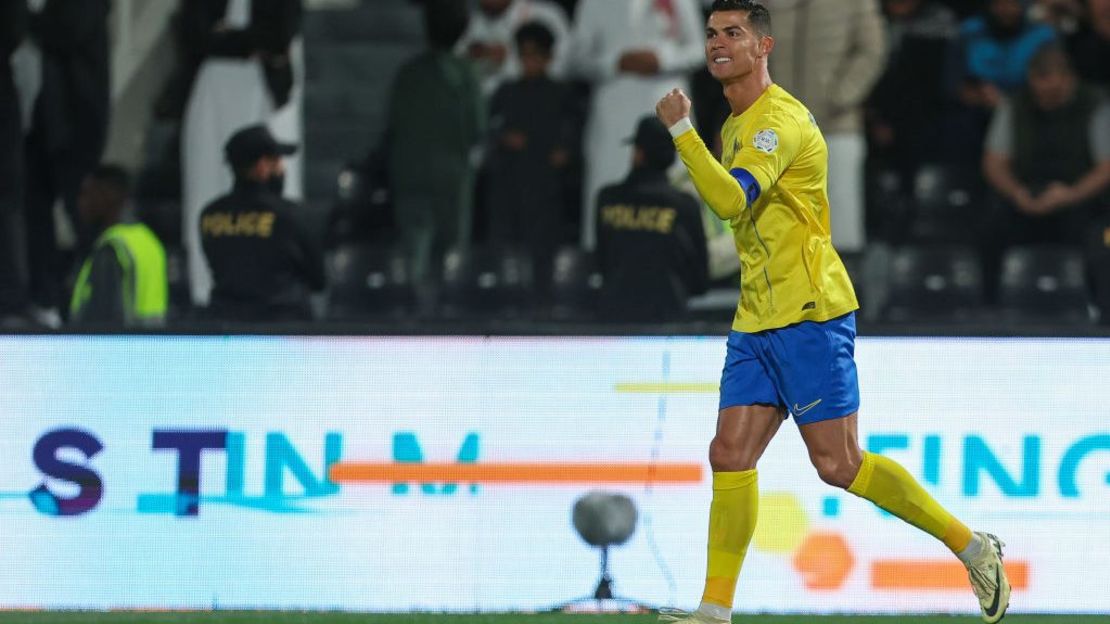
x,y
771,185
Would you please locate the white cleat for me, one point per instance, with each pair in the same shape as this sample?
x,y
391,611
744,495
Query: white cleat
x,y
677,616
988,579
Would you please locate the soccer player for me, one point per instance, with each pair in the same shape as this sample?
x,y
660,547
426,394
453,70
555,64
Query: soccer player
x,y
791,347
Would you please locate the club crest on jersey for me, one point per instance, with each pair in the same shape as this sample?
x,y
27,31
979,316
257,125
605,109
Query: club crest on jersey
x,y
766,141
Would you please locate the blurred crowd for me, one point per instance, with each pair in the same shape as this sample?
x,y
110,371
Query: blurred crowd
x,y
521,171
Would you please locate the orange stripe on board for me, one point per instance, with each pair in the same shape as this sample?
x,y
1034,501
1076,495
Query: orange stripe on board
x,y
909,574
535,473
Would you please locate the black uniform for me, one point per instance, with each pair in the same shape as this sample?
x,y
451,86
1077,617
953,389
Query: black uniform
x,y
13,278
264,261
651,248
68,133
524,195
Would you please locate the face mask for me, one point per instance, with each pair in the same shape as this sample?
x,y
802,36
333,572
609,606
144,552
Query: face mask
x,y
276,184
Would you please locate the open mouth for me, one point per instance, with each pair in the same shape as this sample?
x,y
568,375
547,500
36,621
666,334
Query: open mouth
x,y
721,60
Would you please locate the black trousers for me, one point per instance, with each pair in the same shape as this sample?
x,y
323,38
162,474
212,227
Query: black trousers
x,y
13,243
53,176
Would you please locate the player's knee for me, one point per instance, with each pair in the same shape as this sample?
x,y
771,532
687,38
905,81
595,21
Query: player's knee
x,y
836,471
729,457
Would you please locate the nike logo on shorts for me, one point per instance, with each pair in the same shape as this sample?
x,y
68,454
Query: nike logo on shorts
x,y
798,411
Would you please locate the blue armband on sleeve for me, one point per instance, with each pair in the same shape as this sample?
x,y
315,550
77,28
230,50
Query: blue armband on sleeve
x,y
748,183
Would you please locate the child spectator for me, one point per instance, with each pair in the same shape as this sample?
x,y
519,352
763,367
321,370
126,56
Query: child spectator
x,y
534,132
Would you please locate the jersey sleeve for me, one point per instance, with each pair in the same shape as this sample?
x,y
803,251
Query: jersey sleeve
x,y
721,192
765,153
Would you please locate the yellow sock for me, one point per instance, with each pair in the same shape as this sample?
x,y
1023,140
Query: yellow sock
x,y
732,517
887,484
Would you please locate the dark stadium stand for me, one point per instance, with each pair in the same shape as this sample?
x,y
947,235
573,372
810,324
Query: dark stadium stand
x,y
486,281
369,282
1044,283
936,284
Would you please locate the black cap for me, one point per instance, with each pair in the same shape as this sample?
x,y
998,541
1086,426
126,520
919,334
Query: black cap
x,y
655,140
249,144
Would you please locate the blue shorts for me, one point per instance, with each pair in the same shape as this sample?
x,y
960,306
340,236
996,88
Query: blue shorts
x,y
809,369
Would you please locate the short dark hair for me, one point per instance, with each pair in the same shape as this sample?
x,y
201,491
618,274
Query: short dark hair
x,y
538,34
1049,58
114,177
758,15
445,22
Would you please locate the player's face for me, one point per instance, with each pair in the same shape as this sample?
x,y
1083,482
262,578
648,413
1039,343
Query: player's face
x,y
732,47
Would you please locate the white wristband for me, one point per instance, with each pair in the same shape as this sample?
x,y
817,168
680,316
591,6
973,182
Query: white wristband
x,y
680,127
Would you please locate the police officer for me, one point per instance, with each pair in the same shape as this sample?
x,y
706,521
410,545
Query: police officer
x,y
123,281
264,262
651,242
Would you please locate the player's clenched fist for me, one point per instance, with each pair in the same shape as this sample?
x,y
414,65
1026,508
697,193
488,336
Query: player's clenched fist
x,y
673,107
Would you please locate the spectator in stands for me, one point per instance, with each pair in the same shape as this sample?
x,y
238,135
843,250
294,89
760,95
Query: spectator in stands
x,y
240,58
829,55
1090,45
67,136
534,128
962,8
1047,158
1062,15
633,52
651,244
13,277
995,48
123,280
265,263
489,39
436,118
906,109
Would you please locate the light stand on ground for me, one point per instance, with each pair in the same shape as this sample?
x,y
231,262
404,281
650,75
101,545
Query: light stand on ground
x,y
603,520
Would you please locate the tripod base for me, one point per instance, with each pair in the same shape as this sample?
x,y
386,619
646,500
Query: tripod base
x,y
603,605
603,600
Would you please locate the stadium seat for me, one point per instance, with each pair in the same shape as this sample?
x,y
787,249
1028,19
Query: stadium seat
x,y
855,263
575,284
889,207
1098,255
361,209
934,284
177,281
1044,283
946,205
488,281
368,281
